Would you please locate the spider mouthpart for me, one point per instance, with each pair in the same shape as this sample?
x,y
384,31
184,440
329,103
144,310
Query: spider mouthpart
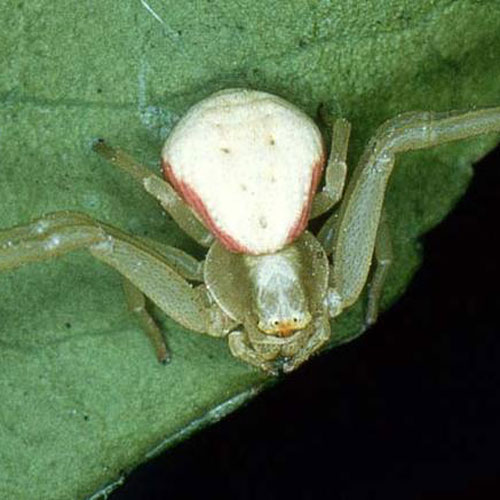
x,y
285,327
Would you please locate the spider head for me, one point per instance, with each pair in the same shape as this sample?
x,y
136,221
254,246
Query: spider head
x,y
280,301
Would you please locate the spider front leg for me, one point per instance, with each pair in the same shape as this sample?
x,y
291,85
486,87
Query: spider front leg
x,y
382,257
360,212
148,270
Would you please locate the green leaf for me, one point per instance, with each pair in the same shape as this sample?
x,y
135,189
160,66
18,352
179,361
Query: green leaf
x,y
82,397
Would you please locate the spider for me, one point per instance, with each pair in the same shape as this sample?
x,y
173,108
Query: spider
x,y
242,170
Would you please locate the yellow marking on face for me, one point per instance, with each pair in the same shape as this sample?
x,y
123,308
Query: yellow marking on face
x,y
285,328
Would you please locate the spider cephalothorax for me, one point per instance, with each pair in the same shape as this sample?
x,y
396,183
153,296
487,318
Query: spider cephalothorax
x,y
242,169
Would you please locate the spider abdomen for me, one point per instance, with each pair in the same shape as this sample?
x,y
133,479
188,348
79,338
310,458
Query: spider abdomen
x,y
248,163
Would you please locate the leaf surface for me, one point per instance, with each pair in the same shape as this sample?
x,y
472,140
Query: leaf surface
x,y
82,398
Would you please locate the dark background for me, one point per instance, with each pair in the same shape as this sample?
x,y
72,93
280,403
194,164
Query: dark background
x,y
410,410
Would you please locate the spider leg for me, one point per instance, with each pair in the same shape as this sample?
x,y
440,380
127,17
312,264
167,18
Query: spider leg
x,y
336,170
186,265
360,212
159,189
322,335
382,261
137,304
242,347
326,235
148,271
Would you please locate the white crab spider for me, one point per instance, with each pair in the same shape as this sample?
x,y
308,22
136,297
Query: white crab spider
x,y
243,167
